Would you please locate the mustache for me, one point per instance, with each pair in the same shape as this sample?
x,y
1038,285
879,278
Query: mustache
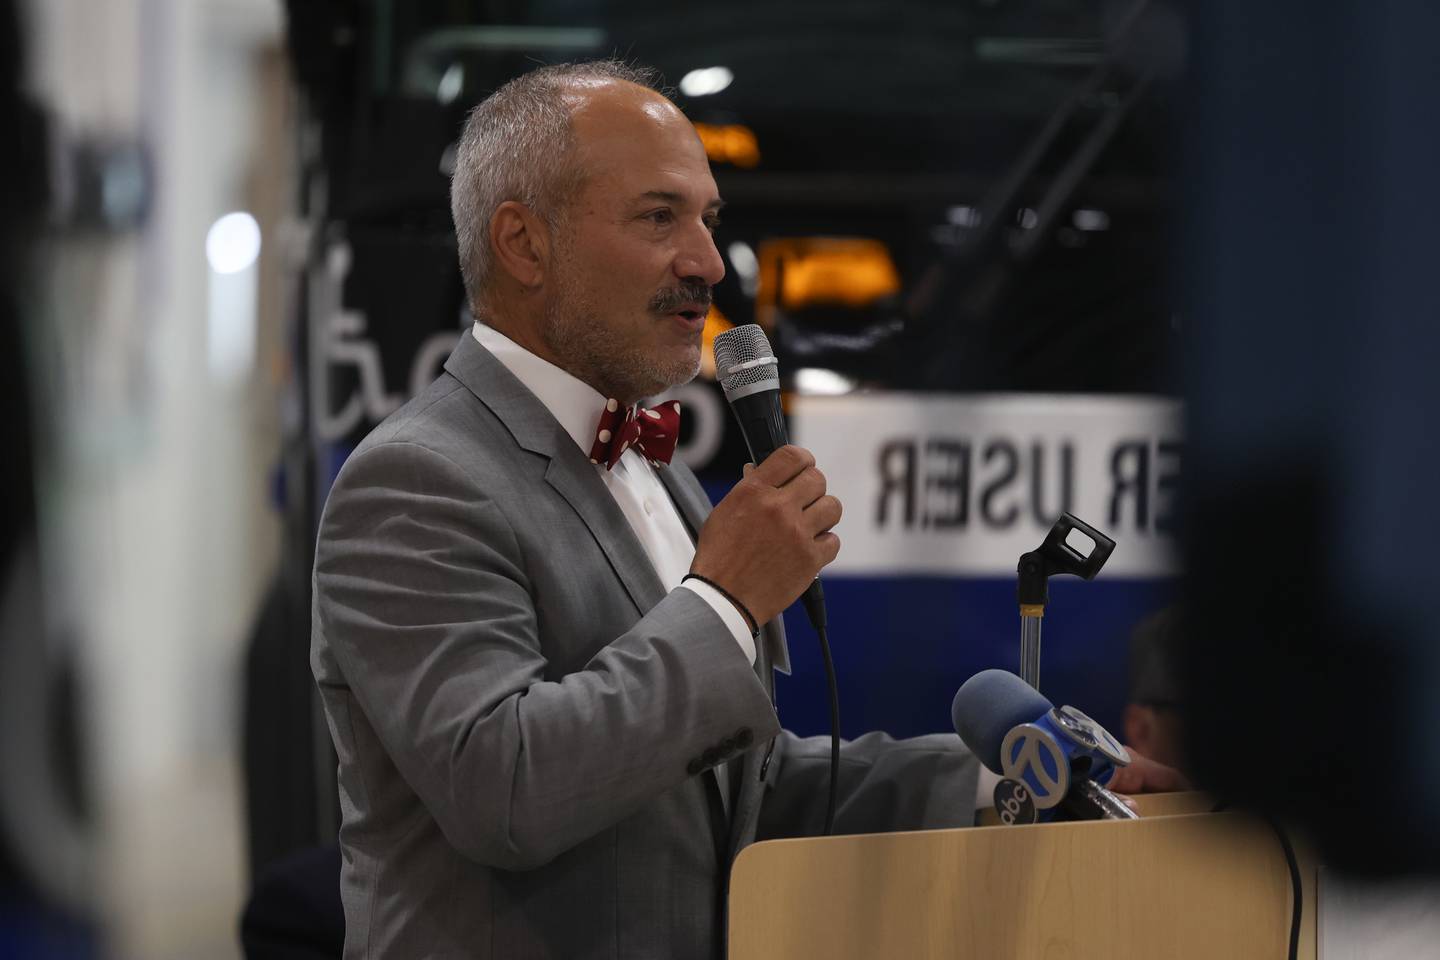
x,y
671,300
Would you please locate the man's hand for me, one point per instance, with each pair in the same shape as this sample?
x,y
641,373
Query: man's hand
x,y
770,536
1144,775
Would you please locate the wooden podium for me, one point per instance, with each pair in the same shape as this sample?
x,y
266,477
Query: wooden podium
x,y
1176,884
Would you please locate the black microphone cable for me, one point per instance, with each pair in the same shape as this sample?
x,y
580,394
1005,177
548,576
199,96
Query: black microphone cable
x,y
1296,888
1297,885
815,609
813,599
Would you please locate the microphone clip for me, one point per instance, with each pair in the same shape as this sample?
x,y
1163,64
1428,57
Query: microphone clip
x,y
1057,555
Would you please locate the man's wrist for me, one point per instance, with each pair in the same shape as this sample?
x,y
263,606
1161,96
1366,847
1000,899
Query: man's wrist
x,y
735,624
750,620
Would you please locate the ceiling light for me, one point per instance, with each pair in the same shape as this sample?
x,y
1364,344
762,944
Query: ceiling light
x,y
708,80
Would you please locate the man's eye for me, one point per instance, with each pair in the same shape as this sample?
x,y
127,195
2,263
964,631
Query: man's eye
x,y
712,224
662,216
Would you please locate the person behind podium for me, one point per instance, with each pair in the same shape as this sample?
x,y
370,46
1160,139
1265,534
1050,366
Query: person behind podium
x,y
1153,720
545,661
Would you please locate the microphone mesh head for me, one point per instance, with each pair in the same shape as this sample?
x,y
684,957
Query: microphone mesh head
x,y
739,346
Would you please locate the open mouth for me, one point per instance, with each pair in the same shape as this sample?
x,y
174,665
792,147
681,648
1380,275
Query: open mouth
x,y
691,315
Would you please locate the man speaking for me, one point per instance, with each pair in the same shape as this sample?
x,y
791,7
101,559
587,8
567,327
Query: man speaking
x,y
545,662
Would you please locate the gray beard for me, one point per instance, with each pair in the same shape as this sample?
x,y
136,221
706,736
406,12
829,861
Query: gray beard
x,y
627,375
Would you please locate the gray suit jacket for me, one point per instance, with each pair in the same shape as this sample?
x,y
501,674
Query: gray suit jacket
x,y
526,721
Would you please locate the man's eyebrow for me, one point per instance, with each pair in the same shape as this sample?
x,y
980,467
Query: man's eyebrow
x,y
670,196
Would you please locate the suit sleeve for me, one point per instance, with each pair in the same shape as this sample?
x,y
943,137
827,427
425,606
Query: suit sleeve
x,y
919,783
421,594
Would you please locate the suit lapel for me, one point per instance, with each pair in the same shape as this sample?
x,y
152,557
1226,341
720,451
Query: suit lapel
x,y
569,473
575,479
688,495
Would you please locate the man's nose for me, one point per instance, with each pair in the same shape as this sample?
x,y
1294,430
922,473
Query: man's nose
x,y
699,258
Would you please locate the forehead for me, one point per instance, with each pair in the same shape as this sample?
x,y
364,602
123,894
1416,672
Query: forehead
x,y
632,141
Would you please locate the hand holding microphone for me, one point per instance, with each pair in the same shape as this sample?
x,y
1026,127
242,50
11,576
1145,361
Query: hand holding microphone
x,y
768,539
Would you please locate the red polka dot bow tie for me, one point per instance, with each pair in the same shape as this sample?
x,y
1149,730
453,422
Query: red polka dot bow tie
x,y
652,432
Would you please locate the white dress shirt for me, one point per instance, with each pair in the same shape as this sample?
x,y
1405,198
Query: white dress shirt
x,y
632,482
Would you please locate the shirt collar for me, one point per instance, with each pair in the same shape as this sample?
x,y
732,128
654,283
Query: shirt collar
x,y
571,401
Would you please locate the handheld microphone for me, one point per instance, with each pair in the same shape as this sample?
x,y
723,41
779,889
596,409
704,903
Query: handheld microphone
x,y
1051,757
750,376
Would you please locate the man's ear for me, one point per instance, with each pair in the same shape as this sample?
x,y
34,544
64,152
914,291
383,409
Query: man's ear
x,y
520,242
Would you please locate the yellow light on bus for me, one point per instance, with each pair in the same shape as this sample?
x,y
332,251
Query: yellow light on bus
x,y
729,143
799,272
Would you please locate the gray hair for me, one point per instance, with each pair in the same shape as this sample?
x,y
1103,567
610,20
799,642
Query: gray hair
x,y
518,145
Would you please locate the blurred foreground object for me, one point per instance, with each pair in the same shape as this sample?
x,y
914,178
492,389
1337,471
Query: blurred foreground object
x,y
1312,340
46,841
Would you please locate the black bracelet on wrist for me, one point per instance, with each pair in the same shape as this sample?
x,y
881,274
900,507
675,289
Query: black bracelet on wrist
x,y
750,620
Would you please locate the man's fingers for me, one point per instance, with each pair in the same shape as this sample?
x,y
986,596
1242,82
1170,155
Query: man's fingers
x,y
804,488
770,535
822,514
1144,775
783,465
829,546
1124,780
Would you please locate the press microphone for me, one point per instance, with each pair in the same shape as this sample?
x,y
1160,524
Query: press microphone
x,y
1051,758
750,376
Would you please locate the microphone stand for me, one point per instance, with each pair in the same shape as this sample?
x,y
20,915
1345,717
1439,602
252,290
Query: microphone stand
x,y
1036,568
